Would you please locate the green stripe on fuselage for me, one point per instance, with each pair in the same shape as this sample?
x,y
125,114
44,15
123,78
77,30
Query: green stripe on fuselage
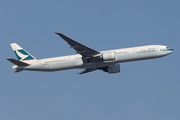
x,y
167,49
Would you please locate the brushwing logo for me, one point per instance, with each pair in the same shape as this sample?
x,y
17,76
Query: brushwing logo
x,y
21,55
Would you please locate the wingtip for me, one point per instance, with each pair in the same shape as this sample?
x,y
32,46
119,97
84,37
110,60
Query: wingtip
x,y
57,33
18,70
60,34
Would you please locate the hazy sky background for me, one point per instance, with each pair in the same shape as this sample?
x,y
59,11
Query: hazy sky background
x,y
143,90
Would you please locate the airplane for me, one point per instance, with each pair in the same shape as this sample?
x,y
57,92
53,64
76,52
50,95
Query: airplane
x,y
87,58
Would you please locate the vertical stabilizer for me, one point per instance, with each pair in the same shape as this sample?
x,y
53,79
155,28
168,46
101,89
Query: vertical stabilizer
x,y
21,53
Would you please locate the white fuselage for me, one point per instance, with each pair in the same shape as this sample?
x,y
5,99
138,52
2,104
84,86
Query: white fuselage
x,y
76,61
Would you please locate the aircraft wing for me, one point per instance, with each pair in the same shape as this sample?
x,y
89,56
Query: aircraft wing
x,y
93,69
88,70
80,48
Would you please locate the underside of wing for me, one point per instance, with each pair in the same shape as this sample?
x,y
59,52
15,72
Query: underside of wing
x,y
80,48
115,68
88,70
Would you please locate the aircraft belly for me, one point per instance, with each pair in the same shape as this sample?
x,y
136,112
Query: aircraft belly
x,y
63,65
37,67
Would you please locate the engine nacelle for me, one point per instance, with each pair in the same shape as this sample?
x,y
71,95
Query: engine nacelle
x,y
107,56
112,68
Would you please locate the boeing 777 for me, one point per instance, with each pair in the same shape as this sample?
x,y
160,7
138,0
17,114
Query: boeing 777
x,y
87,58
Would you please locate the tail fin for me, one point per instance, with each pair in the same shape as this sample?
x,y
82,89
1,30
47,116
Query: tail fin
x,y
21,53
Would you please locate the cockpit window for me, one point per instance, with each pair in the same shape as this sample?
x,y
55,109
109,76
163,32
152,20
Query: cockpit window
x,y
167,47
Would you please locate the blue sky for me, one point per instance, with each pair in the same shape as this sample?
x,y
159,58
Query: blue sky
x,y
142,90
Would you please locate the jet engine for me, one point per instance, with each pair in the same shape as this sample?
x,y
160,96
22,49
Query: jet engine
x,y
112,69
107,56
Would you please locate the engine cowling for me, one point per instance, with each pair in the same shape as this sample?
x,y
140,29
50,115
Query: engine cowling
x,y
112,69
107,56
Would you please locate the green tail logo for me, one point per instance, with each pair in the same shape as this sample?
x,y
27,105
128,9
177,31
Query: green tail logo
x,y
21,53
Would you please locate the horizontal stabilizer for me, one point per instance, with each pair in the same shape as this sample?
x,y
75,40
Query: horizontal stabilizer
x,y
17,62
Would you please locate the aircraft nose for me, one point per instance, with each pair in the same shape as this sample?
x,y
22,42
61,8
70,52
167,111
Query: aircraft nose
x,y
170,50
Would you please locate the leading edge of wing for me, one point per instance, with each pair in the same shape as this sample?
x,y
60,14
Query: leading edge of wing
x,y
80,48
